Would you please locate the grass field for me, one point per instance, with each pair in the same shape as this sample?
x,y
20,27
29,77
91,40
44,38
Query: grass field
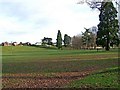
x,y
102,79
41,67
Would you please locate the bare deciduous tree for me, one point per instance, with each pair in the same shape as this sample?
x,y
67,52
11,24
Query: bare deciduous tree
x,y
77,42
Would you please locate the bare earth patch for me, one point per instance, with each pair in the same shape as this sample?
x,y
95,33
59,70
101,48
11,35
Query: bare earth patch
x,y
55,80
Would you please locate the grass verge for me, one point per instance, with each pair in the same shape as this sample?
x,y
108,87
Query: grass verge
x,y
107,78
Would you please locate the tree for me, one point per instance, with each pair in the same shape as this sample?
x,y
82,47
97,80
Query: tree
x,y
94,4
89,37
108,27
86,38
67,40
93,31
59,40
77,42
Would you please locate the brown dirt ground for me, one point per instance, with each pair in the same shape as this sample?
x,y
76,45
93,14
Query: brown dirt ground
x,y
54,80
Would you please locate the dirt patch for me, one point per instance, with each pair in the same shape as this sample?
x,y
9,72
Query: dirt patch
x,y
55,80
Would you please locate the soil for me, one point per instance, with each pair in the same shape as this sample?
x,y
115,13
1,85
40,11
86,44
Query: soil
x,y
55,80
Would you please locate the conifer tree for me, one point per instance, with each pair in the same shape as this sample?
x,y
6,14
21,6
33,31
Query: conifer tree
x,y
108,27
59,40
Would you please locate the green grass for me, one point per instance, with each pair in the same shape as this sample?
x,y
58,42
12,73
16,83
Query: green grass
x,y
20,54
107,78
24,59
56,66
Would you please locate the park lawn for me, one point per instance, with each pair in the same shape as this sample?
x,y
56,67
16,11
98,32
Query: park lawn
x,y
23,59
24,53
107,78
35,61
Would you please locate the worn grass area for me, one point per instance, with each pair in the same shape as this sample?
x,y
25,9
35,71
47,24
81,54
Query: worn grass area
x,y
37,66
107,78
40,60
22,54
56,66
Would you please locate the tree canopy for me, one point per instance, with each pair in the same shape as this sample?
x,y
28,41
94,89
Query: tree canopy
x,y
67,40
108,27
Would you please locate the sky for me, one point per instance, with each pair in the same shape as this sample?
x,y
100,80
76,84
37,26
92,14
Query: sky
x,y
32,20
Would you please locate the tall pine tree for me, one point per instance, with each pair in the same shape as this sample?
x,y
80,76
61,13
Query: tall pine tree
x,y
59,40
108,27
67,40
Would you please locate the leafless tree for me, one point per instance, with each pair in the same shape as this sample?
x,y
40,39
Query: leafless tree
x,y
77,42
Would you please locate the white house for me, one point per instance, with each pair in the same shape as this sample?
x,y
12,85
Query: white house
x,y
38,43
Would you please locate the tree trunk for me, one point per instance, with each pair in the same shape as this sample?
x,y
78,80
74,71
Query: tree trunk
x,y
107,48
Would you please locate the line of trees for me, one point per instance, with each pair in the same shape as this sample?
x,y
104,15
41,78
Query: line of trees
x,y
105,35
67,40
108,28
87,40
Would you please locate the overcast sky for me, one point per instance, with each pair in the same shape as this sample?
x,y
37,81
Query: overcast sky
x,y
32,20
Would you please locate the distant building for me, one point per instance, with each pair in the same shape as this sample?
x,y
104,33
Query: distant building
x,y
26,44
54,44
38,43
47,41
5,44
14,44
20,44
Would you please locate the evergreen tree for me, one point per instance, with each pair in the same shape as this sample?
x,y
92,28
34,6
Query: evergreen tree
x,y
67,40
59,40
108,27
87,38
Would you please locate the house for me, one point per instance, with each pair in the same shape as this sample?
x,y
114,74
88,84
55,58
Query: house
x,y
47,41
54,43
20,44
5,44
26,44
14,44
38,43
